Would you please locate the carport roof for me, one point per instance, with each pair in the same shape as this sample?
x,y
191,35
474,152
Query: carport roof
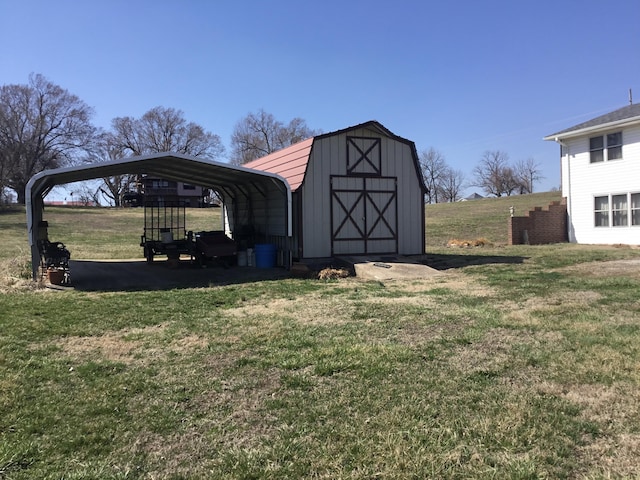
x,y
168,166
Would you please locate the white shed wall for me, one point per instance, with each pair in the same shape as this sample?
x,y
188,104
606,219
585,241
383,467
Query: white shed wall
x,y
582,181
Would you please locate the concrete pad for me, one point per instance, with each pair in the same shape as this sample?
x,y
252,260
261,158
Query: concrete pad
x,y
390,267
136,274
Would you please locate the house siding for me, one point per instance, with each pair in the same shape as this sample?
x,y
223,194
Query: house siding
x,y
582,181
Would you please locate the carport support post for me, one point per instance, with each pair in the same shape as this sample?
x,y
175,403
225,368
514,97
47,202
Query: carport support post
x,y
287,253
288,232
35,205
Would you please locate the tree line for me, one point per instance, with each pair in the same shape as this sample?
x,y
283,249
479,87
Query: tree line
x,y
44,126
493,174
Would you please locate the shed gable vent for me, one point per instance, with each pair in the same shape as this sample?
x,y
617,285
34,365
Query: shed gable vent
x,y
363,156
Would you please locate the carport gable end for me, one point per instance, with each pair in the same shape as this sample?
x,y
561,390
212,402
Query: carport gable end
x,y
356,191
242,190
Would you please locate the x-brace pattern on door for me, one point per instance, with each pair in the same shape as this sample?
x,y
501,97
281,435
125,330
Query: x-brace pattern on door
x,y
364,214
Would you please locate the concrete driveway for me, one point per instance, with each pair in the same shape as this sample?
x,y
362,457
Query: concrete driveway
x,y
137,274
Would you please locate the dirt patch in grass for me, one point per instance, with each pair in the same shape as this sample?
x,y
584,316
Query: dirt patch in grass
x,y
612,268
615,451
238,414
414,334
617,456
608,405
494,351
456,282
249,418
334,310
614,408
128,346
311,309
530,311
177,453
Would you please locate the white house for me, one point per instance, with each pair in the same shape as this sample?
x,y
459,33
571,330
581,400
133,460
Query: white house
x,y
600,165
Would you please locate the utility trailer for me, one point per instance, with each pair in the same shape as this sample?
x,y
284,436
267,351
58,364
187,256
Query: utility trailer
x,y
165,232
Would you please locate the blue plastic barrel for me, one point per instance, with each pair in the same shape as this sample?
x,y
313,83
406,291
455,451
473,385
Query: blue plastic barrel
x,y
265,255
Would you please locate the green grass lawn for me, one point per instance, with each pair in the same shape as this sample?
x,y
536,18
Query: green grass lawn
x,y
485,218
102,233
519,362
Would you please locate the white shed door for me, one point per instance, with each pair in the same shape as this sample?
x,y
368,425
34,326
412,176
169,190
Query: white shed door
x,y
364,215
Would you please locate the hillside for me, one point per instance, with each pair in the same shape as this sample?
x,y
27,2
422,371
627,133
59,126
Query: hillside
x,y
115,233
485,218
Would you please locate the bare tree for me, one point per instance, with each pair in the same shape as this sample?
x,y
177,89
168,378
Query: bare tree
x,y
433,167
164,130
295,131
493,174
87,195
159,130
509,182
105,149
42,126
527,172
259,134
451,184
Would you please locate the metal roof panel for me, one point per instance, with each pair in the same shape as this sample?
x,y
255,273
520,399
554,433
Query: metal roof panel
x,y
290,162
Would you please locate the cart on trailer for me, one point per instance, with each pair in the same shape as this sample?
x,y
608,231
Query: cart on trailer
x,y
215,245
165,232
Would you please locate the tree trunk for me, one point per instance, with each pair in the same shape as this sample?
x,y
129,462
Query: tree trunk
x,y
21,192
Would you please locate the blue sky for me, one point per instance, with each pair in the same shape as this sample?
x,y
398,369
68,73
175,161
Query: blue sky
x,y
460,76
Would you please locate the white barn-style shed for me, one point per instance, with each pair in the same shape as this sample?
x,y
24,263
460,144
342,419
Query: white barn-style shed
x,y
356,191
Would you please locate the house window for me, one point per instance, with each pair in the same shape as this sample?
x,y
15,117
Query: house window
x,y
161,184
596,149
602,211
619,209
635,209
599,152
614,146
624,210
186,186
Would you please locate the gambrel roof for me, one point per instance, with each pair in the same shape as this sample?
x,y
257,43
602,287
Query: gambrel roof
x,y
291,162
625,115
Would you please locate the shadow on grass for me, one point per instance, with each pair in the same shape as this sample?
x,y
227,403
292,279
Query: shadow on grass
x,y
446,262
134,275
137,275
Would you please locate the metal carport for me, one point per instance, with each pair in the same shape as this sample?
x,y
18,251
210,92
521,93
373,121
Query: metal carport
x,y
250,197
